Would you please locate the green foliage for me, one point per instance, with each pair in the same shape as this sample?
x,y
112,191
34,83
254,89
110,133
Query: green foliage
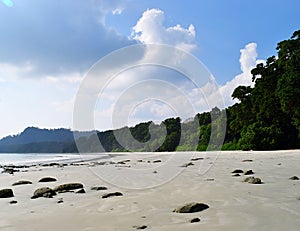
x,y
230,146
267,116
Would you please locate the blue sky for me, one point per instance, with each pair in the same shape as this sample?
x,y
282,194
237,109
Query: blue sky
x,y
47,47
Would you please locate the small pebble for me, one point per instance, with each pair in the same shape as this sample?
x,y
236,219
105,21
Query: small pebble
x,y
195,220
13,202
140,227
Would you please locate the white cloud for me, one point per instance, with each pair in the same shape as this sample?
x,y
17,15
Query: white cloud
x,y
248,61
71,78
10,72
150,30
117,11
248,57
221,95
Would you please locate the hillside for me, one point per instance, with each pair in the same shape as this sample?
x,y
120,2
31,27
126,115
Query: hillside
x,y
36,140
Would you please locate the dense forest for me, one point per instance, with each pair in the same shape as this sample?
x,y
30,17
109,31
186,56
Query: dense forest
x,y
267,117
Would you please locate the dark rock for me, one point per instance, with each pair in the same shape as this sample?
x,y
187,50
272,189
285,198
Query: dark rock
x,y
53,164
60,200
68,187
6,193
140,227
47,179
10,170
98,188
236,174
21,182
156,161
13,202
80,191
191,208
186,165
294,178
247,161
43,192
253,180
209,179
44,165
155,172
237,171
115,194
248,172
195,220
195,159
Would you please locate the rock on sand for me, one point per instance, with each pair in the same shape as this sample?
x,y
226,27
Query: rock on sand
x,y
5,193
191,208
43,192
68,187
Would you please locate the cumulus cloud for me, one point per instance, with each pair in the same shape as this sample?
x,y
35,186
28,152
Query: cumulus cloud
x,y
220,96
248,60
150,29
248,57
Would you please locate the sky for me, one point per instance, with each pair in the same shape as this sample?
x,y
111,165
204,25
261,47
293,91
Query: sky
x,y
49,48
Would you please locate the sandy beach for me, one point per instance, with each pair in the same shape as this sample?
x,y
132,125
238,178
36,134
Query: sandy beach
x,y
152,186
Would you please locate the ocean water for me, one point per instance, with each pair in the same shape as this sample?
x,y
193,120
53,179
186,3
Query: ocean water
x,y
40,158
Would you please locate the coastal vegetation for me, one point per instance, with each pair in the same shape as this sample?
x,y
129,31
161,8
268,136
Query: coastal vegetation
x,y
267,117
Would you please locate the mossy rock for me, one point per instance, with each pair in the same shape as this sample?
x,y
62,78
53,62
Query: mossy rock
x,y
68,187
6,193
191,208
43,192
253,180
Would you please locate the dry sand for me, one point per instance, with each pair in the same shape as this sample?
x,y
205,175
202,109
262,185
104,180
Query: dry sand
x,y
234,205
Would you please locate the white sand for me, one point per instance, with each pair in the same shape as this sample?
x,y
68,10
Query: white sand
x,y
234,205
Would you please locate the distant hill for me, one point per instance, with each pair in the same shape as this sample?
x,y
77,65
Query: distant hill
x,y
36,140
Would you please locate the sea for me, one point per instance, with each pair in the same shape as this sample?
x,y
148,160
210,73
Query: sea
x,y
41,158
